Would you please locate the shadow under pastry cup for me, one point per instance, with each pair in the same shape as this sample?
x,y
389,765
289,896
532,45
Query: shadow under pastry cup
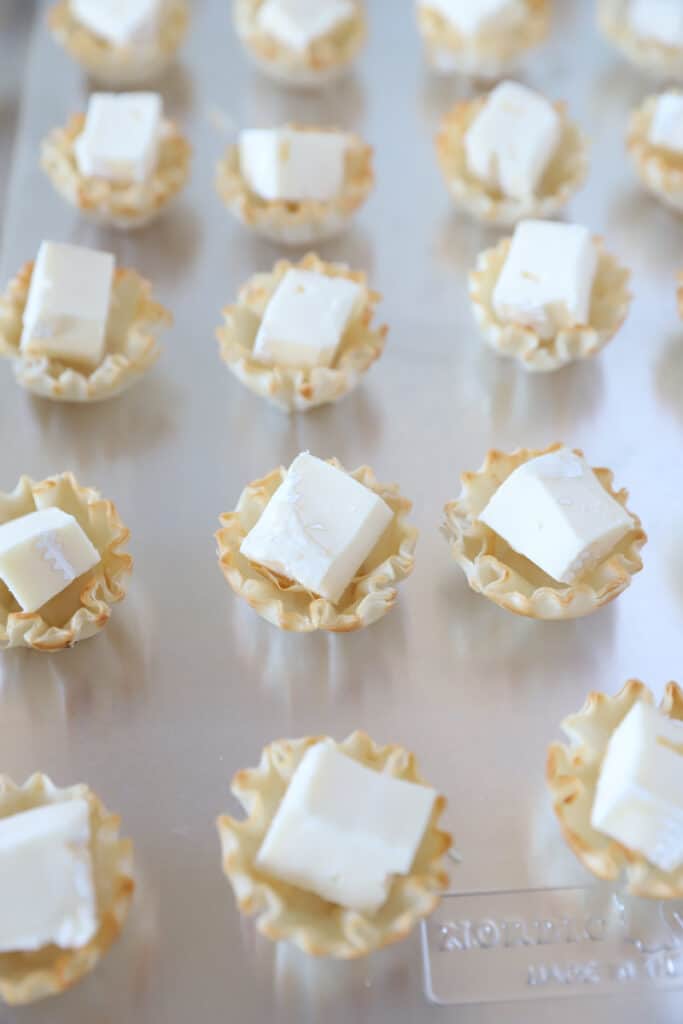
x,y
509,579
285,912
610,303
84,608
122,205
325,60
131,347
565,174
659,170
486,56
28,976
288,605
572,774
299,388
654,58
303,222
120,66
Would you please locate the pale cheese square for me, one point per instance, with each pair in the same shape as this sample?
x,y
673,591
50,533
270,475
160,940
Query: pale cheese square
x,y
480,17
318,528
68,304
555,512
47,894
666,128
512,141
299,23
41,554
120,139
547,279
293,165
639,797
658,20
306,318
121,22
344,831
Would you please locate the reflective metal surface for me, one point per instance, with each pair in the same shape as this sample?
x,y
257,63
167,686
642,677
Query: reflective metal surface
x,y
187,684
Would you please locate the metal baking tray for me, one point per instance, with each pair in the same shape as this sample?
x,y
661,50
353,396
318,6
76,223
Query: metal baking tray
x,y
187,684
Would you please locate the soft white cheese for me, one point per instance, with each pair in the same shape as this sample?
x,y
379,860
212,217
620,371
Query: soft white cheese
x,y
658,20
547,279
475,17
512,141
343,831
120,139
298,23
41,554
639,797
293,165
666,129
68,304
305,319
121,22
318,528
555,512
46,884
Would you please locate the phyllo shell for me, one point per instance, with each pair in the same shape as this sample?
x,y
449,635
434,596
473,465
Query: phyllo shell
x,y
285,912
84,608
305,222
131,348
572,775
299,388
288,605
28,976
508,579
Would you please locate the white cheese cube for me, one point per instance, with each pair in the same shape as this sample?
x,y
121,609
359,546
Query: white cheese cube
x,y
658,20
555,512
318,528
46,884
41,554
298,23
666,129
293,165
121,22
475,17
639,797
547,279
343,831
305,319
120,139
512,141
68,304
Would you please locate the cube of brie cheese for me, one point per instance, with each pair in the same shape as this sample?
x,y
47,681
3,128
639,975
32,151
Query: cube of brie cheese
x,y
658,20
298,23
318,528
293,165
555,512
68,304
41,554
120,139
547,279
343,831
479,17
121,22
47,893
512,141
639,797
666,128
305,319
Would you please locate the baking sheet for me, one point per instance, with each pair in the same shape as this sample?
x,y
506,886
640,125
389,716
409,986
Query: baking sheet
x,y
187,684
